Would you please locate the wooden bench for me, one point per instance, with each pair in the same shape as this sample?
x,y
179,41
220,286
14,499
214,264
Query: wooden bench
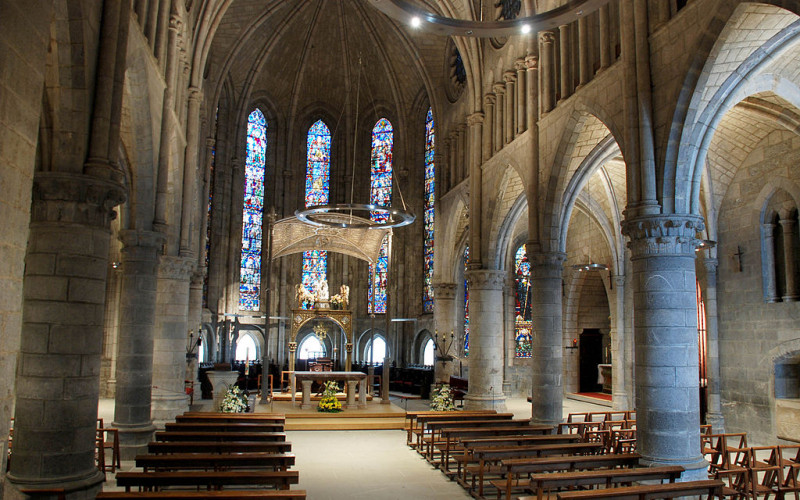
x,y
215,461
224,427
487,456
451,435
422,422
219,436
412,419
514,467
435,438
149,481
469,443
194,495
539,483
710,487
230,417
219,447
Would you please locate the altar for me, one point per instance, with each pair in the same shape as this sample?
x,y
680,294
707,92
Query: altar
x,y
350,378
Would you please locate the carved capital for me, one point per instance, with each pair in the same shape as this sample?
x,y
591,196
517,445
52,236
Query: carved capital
x,y
547,37
499,88
445,291
292,347
138,238
663,234
175,24
509,77
485,279
489,100
195,94
519,64
475,119
532,62
211,142
175,268
75,198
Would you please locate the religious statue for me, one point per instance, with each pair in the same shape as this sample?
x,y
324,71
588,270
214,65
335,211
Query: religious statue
x,y
321,292
344,292
303,296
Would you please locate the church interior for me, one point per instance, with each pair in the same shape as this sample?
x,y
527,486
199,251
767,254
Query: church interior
x,y
535,200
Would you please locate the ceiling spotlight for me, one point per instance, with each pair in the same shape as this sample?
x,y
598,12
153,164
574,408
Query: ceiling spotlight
x,y
415,22
526,28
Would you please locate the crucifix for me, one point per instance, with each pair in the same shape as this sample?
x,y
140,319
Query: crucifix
x,y
738,256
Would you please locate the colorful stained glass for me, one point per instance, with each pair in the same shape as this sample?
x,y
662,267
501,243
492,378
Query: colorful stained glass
x,y
427,250
318,164
380,195
523,327
252,213
466,303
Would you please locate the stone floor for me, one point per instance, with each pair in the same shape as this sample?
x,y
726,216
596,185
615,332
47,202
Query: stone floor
x,y
354,465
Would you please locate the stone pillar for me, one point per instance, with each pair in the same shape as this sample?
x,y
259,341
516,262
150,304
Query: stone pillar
x,y
444,321
519,116
499,92
509,77
488,127
475,122
788,226
665,331
190,168
620,398
768,263
714,414
136,327
169,346
584,62
546,315
57,379
485,340
195,321
532,81
462,150
566,61
547,52
605,38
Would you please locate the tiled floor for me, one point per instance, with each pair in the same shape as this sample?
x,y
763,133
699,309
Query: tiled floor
x,y
354,465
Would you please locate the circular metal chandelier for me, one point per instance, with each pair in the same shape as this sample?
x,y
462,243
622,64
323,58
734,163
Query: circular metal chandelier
x,y
412,14
347,216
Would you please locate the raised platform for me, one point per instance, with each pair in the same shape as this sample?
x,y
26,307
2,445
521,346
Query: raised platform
x,y
597,398
375,416
287,396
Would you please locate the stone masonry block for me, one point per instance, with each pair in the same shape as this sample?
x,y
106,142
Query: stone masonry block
x,y
36,365
87,290
45,288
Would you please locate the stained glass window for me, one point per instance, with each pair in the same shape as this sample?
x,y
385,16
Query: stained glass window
x,y
380,195
523,328
318,167
466,303
427,252
252,213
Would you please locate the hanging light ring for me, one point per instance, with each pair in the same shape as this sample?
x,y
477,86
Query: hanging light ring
x,y
355,216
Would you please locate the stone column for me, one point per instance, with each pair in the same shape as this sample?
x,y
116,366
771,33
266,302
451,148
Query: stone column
x,y
444,321
714,414
136,327
443,168
619,395
499,92
195,321
519,116
475,122
584,63
488,128
788,226
532,81
462,150
546,316
768,263
605,38
665,331
190,168
169,346
57,379
547,52
485,340
509,77
566,61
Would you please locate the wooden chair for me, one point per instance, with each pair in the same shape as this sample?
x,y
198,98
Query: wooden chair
x,y
107,440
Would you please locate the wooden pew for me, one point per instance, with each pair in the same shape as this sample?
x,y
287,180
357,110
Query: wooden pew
x,y
434,436
219,447
710,487
469,444
514,467
219,417
194,495
421,422
451,435
539,483
224,427
219,436
413,416
152,481
487,456
215,461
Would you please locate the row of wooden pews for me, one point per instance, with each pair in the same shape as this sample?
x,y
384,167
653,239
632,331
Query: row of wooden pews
x,y
204,455
752,471
591,455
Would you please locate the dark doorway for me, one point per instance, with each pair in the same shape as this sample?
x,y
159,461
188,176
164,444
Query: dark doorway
x,y
591,355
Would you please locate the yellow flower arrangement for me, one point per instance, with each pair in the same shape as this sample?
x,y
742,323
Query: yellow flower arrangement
x,y
329,403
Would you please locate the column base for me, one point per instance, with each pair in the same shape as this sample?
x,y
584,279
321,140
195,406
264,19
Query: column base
x,y
790,298
167,405
485,402
694,471
133,439
717,422
75,487
619,401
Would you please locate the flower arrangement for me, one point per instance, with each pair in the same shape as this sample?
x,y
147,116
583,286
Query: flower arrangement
x,y
329,403
442,399
235,401
337,301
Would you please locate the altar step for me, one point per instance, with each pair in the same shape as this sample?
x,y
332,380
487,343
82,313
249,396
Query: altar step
x,y
343,422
